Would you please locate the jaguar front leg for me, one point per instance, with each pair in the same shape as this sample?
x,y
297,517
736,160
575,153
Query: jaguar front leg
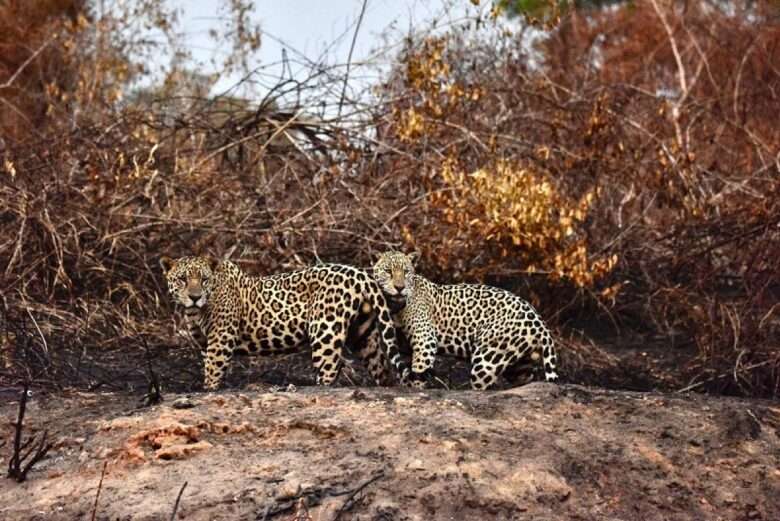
x,y
424,344
193,318
219,351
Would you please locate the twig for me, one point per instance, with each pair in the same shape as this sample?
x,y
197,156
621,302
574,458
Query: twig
x,y
719,376
681,74
18,249
43,338
313,497
178,498
301,511
15,469
349,56
250,137
343,508
153,395
13,464
100,487
27,62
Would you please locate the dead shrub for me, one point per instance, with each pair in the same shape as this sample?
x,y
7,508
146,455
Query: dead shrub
x,y
622,169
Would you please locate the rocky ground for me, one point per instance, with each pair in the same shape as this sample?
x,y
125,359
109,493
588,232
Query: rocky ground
x,y
535,452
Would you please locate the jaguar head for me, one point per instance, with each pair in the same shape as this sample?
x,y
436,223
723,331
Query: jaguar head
x,y
394,273
190,279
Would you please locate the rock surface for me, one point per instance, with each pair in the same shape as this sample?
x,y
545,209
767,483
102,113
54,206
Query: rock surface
x,y
541,452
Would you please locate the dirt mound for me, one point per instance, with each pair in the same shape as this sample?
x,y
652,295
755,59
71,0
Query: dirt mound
x,y
535,452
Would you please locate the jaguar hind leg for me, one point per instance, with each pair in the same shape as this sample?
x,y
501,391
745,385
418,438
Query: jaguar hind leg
x,y
490,359
549,358
363,340
376,361
484,373
327,343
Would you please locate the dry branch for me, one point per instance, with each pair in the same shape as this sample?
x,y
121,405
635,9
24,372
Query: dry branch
x,y
178,498
348,502
100,487
20,463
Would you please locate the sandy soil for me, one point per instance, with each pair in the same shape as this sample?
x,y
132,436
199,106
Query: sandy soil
x,y
540,452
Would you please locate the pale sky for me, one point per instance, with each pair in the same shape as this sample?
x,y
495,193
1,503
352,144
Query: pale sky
x,y
321,30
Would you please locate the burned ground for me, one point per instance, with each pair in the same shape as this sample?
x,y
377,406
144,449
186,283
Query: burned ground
x,y
535,452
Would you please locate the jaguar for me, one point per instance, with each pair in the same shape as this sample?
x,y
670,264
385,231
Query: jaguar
x,y
228,312
495,330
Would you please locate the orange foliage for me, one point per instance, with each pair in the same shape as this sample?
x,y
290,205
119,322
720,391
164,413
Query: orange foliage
x,y
34,59
638,159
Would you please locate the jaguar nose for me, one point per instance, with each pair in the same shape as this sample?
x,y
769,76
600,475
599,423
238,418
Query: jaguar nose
x,y
399,286
195,295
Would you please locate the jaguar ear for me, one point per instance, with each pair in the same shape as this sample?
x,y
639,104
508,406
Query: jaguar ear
x,y
212,262
376,257
413,257
166,263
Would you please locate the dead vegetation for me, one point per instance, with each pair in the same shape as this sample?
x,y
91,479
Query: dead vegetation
x,y
620,172
25,453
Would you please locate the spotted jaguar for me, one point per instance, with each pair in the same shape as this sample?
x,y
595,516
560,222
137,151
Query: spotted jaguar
x,y
494,329
327,306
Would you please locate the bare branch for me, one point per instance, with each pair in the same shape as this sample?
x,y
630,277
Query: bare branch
x,y
28,61
349,57
681,75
